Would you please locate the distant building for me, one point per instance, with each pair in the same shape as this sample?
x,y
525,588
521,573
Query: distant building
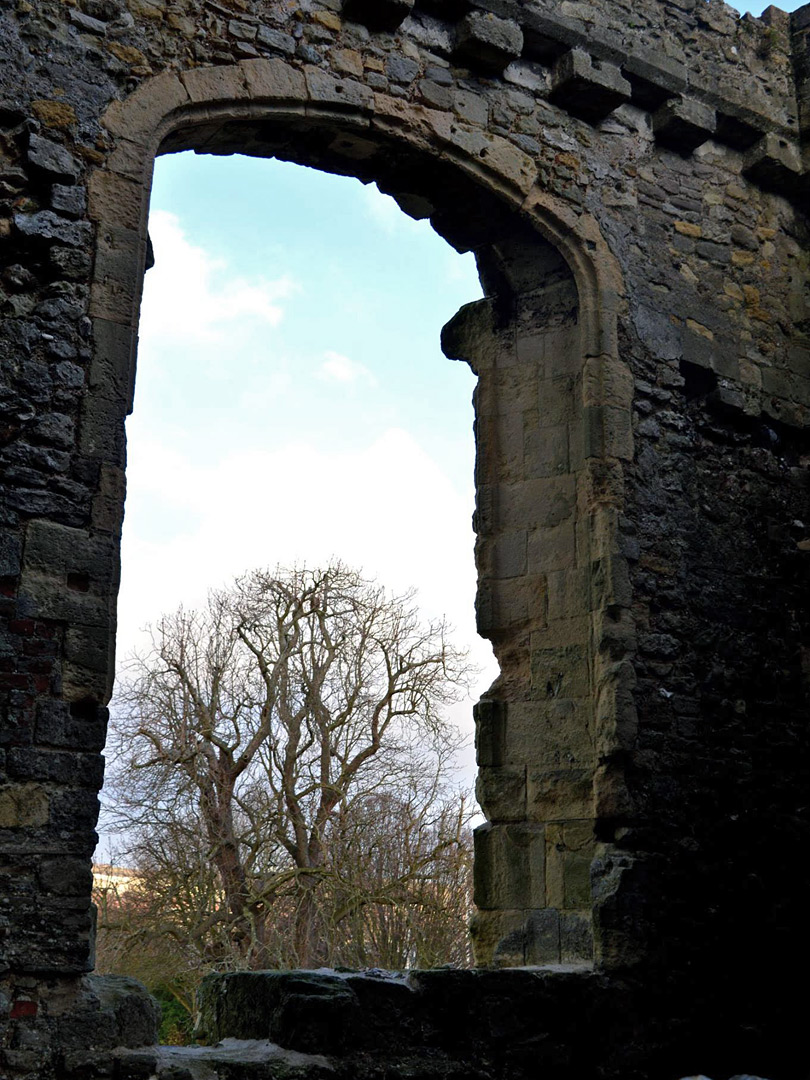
x,y
108,878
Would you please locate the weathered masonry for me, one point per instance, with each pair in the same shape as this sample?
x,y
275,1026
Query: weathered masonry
x,y
633,178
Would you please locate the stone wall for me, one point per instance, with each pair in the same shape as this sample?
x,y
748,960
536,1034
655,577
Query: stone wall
x,y
632,180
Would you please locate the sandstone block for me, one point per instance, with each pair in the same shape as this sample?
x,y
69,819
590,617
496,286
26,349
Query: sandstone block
x,y
561,672
23,806
774,162
549,735
509,866
511,602
138,117
559,794
499,938
502,793
490,732
684,124
552,548
120,259
546,451
485,41
577,880
543,937
225,83
115,198
568,593
273,80
496,154
589,88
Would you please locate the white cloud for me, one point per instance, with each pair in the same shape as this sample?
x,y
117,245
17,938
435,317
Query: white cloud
x,y
190,295
337,368
386,214
388,508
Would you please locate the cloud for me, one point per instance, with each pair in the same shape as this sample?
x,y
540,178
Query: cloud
x,y
386,214
337,368
387,507
191,295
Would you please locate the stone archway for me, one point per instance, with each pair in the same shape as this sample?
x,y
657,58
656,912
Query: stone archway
x,y
684,165
553,431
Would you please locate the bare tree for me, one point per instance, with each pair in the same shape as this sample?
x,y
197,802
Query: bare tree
x,y
265,738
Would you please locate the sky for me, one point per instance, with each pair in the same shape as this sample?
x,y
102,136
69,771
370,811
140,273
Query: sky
x,y
292,401
757,9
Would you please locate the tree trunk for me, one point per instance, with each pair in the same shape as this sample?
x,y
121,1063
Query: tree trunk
x,y
306,949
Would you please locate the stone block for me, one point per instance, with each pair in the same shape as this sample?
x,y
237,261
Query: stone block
x,y
46,227
549,735
66,876
608,432
509,869
496,154
541,503
91,649
577,880
112,370
69,201
136,1014
108,502
221,83
506,555
552,549
557,400
276,39
586,87
273,80
118,274
115,198
325,89
569,593
378,14
559,794
506,603
610,583
23,806
490,732
501,793
684,124
487,42
79,728
560,672
543,937
775,163
138,117
10,555
654,76
546,451
53,160
576,936
59,551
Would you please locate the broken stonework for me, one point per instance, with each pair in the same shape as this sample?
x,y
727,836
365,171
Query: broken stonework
x,y
634,187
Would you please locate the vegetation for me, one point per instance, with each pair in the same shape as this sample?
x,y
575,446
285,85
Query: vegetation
x,y
279,771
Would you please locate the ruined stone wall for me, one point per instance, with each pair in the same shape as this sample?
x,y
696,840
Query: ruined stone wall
x,y
632,180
